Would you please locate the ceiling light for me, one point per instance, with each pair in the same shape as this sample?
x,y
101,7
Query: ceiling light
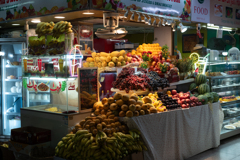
x,y
36,21
216,28
126,14
132,17
209,24
164,22
154,22
59,17
159,23
88,13
150,21
16,24
139,18
182,28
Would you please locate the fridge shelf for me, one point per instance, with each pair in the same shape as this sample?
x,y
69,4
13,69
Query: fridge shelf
x,y
7,66
13,80
12,114
10,93
44,101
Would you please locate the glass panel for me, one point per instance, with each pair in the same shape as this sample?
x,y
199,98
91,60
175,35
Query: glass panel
x,y
12,87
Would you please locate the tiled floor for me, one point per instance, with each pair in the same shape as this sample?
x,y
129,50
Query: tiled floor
x,y
228,150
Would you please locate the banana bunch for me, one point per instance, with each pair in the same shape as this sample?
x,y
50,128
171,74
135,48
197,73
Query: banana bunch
x,y
83,146
44,28
35,43
61,27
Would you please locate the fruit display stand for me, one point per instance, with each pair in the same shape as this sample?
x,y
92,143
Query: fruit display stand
x,y
179,134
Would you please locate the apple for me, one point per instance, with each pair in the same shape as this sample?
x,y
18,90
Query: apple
x,y
187,105
188,101
183,101
179,102
174,92
183,106
199,103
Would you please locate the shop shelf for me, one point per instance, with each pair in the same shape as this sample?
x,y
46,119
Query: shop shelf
x,y
13,80
222,77
13,114
225,133
10,93
230,103
182,82
43,101
7,66
226,88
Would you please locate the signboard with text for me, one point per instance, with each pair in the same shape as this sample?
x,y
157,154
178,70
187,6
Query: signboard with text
x,y
174,8
225,13
17,9
201,11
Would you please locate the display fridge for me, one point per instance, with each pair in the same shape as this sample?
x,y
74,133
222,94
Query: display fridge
x,y
11,83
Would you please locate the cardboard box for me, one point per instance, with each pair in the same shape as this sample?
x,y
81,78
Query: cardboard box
x,y
30,135
25,148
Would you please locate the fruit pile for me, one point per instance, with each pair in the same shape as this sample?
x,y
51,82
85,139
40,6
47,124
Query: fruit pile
x,y
44,28
55,47
61,27
126,80
134,58
201,89
95,144
154,48
169,101
156,81
128,106
36,47
114,59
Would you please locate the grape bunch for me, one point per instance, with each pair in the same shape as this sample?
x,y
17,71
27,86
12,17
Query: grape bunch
x,y
156,81
126,80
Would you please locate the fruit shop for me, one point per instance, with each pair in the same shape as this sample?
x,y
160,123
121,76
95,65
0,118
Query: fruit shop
x,y
97,96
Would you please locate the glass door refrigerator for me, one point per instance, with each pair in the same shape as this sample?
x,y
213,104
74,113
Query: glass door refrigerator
x,y
11,83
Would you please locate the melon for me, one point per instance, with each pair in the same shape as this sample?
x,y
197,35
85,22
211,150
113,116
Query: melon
x,y
209,97
200,79
203,88
215,96
203,99
192,86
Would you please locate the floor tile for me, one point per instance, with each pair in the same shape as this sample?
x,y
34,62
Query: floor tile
x,y
228,150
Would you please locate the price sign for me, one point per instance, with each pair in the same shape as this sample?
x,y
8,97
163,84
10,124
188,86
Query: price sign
x,y
87,87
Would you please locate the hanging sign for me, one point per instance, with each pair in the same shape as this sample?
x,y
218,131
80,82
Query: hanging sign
x,y
201,11
225,13
17,9
174,8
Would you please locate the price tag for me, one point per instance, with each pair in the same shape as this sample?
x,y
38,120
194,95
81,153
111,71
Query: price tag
x,y
102,79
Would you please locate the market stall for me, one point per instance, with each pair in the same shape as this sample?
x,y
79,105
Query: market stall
x,y
114,103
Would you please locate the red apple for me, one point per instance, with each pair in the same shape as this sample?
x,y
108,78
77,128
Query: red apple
x,y
174,92
183,106
188,101
187,105
183,101
179,102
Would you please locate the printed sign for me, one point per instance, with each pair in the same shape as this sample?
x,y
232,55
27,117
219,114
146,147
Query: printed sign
x,y
225,13
201,11
174,8
17,9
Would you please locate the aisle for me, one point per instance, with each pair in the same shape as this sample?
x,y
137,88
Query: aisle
x,y
228,150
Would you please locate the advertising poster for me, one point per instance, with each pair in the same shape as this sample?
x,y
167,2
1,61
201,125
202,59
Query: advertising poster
x,y
201,11
173,8
17,9
225,13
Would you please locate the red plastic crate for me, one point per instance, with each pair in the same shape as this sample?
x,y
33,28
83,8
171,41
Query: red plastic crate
x,y
30,135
